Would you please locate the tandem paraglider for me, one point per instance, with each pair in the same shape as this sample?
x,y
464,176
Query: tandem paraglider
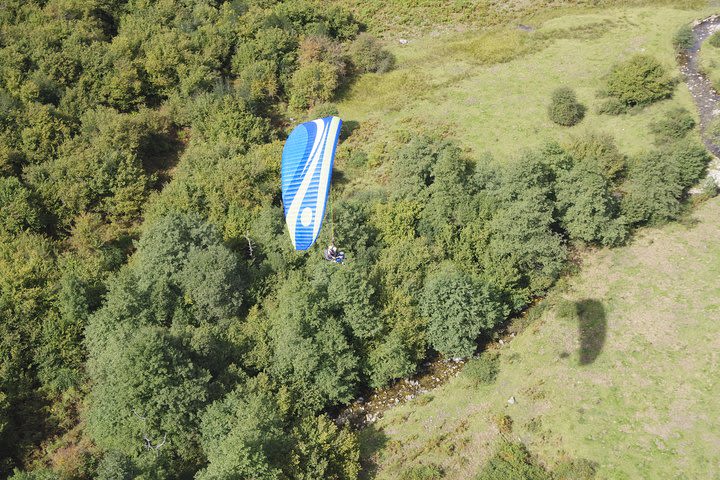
x,y
306,174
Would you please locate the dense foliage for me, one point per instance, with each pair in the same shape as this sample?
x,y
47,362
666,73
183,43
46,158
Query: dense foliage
x,y
156,322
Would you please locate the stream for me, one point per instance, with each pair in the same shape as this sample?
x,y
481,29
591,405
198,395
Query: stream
x,y
707,99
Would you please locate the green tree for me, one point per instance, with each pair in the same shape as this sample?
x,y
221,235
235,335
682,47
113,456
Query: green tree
x,y
459,310
321,449
673,126
311,352
18,211
653,190
147,394
243,436
587,207
599,149
368,55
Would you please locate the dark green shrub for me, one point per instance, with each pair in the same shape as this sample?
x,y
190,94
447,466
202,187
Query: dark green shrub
x,y
422,472
714,40
658,181
512,461
564,109
676,124
597,149
689,158
683,39
483,369
367,55
641,80
575,469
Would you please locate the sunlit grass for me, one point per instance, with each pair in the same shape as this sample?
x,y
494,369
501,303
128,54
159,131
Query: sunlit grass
x,y
490,88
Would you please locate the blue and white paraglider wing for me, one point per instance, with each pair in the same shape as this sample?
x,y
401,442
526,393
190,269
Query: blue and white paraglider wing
x,y
307,163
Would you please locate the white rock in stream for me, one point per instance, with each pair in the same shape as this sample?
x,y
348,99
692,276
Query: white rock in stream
x,y
511,400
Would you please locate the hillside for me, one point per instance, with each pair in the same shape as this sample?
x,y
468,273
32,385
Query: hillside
x,y
628,384
159,319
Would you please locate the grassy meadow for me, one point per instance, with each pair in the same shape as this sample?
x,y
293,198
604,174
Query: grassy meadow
x,y
628,382
490,88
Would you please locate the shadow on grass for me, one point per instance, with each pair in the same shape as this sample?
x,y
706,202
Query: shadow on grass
x,y
592,327
372,442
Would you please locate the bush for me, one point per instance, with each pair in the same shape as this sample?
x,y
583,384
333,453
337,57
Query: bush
x,y
512,461
483,369
714,40
709,189
683,39
641,80
504,423
575,469
658,181
422,472
612,106
674,126
587,207
564,109
313,83
368,55
689,159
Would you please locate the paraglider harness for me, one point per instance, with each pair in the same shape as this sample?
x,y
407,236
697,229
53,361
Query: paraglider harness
x,y
332,254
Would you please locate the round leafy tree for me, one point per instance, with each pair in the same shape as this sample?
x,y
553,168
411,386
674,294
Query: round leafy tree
x,y
564,107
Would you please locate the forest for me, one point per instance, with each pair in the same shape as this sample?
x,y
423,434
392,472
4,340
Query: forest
x,y
155,320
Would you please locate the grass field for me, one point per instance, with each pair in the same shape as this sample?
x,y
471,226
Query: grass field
x,y
490,88
630,384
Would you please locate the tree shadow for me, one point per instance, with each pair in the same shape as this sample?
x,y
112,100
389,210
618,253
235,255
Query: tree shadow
x,y
372,441
592,327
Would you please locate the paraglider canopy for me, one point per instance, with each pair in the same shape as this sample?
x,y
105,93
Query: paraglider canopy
x,y
306,172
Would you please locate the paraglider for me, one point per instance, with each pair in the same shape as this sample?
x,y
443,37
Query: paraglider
x,y
306,173
332,254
